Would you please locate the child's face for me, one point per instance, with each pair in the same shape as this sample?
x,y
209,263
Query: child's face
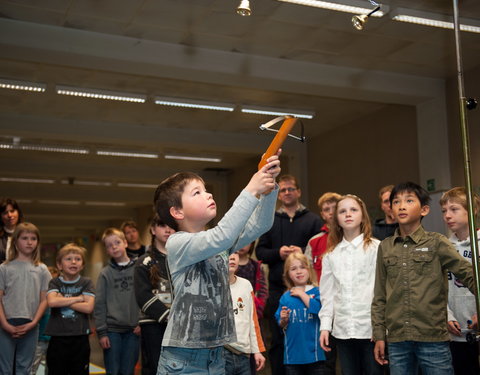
x,y
71,265
298,273
161,233
407,209
116,247
233,263
131,234
26,243
10,217
455,216
349,214
327,212
198,205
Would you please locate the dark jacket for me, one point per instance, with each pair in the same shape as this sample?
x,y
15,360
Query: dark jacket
x,y
382,230
154,300
285,231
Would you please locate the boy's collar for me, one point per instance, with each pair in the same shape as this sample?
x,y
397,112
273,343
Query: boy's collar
x,y
416,235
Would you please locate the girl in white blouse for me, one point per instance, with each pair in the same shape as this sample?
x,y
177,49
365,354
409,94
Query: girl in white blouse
x,y
346,287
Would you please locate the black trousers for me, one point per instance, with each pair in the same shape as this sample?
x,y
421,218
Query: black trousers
x,y
465,358
68,355
151,345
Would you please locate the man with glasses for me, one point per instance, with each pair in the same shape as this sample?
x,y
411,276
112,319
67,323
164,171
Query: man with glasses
x,y
293,226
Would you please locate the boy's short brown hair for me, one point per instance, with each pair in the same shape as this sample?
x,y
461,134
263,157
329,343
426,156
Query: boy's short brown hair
x,y
113,232
169,194
459,195
71,248
328,197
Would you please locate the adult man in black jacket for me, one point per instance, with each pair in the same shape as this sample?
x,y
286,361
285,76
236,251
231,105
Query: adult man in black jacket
x,y
293,226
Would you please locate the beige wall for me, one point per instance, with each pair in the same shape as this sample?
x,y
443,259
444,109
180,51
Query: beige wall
x,y
365,155
472,89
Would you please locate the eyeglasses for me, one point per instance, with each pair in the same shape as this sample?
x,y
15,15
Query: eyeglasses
x,y
290,189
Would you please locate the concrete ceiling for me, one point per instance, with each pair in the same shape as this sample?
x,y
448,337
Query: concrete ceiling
x,y
284,55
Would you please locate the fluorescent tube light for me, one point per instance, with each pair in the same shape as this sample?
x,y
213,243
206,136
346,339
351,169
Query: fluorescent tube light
x,y
350,6
22,85
109,204
63,203
101,94
193,158
135,185
27,180
194,103
434,20
127,154
278,112
85,183
47,148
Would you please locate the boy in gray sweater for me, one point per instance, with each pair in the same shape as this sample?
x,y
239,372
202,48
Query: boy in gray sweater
x,y
116,310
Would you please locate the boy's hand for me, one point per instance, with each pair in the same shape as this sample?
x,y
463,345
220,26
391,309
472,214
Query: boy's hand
x,y
454,328
379,352
104,342
259,361
473,323
264,179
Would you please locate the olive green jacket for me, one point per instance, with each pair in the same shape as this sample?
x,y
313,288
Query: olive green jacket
x,y
411,290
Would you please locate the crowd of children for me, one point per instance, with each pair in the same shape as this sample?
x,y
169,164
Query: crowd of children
x,y
192,299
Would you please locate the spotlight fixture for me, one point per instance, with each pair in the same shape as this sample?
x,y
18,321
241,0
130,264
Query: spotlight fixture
x,y
360,20
244,8
22,85
101,94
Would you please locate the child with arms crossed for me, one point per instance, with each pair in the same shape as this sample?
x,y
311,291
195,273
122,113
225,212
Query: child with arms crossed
x,y
346,287
461,303
153,294
71,298
297,315
249,338
116,310
409,307
23,288
201,318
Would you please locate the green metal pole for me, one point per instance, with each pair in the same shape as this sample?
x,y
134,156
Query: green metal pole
x,y
466,161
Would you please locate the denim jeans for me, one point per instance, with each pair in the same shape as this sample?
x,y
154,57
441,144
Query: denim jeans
x,y
191,361
356,357
433,358
16,355
236,364
122,356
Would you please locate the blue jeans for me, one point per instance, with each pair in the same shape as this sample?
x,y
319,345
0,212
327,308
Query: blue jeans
x,y
16,355
191,361
236,364
122,356
433,358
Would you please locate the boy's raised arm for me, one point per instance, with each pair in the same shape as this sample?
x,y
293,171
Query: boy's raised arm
x,y
185,249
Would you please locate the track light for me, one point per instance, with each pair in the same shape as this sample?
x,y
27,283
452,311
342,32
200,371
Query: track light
x,y
244,8
360,20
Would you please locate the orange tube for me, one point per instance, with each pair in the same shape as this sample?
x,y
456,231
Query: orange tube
x,y
277,142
